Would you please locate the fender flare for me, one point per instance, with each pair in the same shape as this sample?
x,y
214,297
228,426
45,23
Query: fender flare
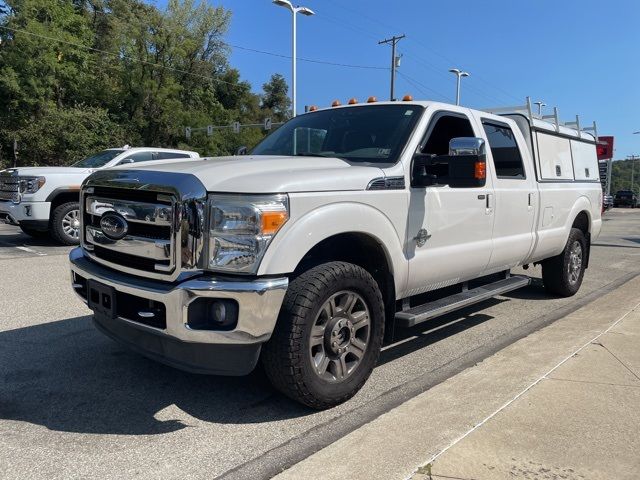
x,y
582,204
297,238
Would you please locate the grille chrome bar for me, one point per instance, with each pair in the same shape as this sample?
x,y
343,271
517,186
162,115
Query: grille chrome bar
x,y
157,214
132,245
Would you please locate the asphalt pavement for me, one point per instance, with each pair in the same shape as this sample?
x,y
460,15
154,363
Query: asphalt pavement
x,y
74,404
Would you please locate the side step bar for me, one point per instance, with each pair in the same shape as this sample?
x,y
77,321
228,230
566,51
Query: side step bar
x,y
427,311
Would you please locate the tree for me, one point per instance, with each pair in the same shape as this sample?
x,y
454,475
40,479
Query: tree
x,y
121,71
275,98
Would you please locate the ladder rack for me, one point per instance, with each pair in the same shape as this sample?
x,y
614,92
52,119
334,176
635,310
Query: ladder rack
x,y
553,118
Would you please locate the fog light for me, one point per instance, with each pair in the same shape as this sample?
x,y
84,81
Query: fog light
x,y
212,314
27,210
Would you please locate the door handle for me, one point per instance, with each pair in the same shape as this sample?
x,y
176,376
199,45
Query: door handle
x,y
530,201
489,204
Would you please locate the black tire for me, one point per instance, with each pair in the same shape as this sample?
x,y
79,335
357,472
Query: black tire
x,y
59,224
34,233
287,356
562,275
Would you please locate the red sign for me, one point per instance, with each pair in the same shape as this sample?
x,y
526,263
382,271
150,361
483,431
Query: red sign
x,y
605,148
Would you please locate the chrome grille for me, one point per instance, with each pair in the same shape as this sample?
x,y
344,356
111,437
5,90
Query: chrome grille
x,y
164,214
9,188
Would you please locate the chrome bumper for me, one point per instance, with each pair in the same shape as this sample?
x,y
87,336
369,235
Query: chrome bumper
x,y
259,302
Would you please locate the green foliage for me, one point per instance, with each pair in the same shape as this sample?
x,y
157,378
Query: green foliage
x,y
621,176
121,71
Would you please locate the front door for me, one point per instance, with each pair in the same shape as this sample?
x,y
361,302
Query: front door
x,y
449,229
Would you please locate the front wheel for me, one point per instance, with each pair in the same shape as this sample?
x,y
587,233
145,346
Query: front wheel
x,y
562,275
328,335
65,223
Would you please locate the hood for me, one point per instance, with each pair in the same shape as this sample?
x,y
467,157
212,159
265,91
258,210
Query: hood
x,y
266,174
44,171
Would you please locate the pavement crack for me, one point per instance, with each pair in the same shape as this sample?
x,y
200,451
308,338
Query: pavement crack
x,y
621,362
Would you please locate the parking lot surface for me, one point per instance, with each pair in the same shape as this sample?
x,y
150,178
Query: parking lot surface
x,y
75,404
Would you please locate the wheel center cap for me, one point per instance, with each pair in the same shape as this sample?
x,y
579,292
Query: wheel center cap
x,y
338,335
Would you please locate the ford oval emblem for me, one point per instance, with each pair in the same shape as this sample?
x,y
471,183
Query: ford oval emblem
x,y
114,226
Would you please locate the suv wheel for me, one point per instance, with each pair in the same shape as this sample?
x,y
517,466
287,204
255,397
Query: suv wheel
x,y
328,335
563,274
65,223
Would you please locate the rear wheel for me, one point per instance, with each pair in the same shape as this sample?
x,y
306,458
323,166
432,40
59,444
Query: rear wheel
x,y
328,335
65,223
562,275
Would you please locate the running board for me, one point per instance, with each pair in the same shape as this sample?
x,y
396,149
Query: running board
x,y
427,311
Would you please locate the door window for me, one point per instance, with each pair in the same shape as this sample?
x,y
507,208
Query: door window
x,y
167,155
442,129
139,157
504,150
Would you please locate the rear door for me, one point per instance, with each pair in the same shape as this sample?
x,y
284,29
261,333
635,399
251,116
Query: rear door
x,y
516,194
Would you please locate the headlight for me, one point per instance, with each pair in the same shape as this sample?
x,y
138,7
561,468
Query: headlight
x,y
31,184
241,228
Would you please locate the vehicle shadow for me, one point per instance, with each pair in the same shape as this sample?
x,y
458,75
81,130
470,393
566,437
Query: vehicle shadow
x,y
17,238
68,377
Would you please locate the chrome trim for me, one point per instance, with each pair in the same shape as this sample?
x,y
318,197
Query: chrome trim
x,y
131,245
387,183
259,301
188,219
155,214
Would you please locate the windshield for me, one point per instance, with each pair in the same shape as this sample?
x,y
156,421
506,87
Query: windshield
x,y
98,160
370,134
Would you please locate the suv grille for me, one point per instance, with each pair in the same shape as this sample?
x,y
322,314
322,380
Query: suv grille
x,y
9,188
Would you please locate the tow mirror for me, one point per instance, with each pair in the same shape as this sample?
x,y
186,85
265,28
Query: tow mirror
x,y
467,162
124,161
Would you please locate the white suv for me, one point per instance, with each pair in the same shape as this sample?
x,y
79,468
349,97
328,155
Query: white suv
x,y
43,200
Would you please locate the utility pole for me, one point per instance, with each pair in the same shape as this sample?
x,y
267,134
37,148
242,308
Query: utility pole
x,y
393,41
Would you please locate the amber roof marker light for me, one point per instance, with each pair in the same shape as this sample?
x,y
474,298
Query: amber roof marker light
x,y
353,101
407,98
372,99
336,103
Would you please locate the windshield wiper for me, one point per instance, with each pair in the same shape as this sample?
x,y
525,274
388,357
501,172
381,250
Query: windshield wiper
x,y
309,154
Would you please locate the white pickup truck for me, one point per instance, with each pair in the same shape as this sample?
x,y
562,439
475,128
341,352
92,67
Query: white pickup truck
x,y
44,200
341,225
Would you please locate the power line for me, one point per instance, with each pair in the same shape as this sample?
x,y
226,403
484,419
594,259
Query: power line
x,y
432,50
321,62
421,86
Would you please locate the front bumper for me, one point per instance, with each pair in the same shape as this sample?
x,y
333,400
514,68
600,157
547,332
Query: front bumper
x,y
218,352
24,212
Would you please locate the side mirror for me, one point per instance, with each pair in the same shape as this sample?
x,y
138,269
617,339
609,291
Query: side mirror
x,y
124,161
467,162
243,150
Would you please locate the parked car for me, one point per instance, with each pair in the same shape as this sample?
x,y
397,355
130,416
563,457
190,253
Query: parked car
x,y
625,198
44,200
340,226
607,202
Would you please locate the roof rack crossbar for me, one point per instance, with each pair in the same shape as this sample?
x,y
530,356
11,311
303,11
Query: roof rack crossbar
x,y
554,117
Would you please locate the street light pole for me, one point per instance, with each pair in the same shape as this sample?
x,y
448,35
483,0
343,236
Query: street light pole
x,y
294,10
459,74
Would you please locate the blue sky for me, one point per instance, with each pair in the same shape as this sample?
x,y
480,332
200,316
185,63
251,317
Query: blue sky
x,y
581,56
